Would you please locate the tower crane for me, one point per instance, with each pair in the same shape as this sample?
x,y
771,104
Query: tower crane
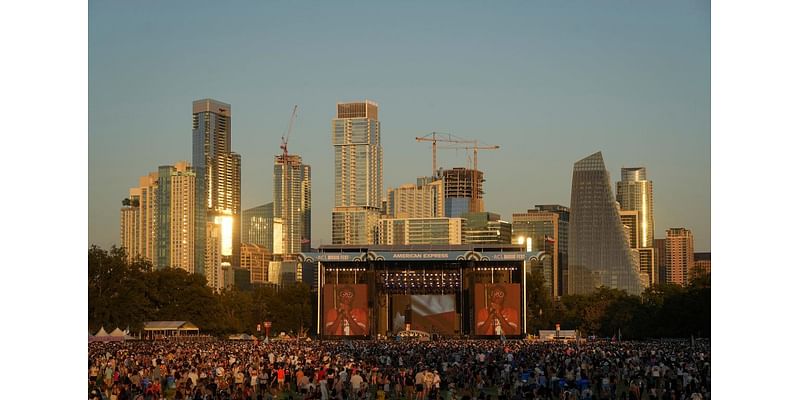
x,y
443,137
473,205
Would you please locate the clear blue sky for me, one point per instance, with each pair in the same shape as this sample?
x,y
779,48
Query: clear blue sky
x,y
550,82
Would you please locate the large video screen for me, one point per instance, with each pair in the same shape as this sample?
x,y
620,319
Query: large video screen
x,y
428,313
497,309
346,311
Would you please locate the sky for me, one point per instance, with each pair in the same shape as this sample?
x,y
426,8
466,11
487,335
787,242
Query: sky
x,y
549,82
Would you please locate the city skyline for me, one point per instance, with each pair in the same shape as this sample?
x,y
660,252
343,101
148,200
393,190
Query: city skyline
x,y
651,116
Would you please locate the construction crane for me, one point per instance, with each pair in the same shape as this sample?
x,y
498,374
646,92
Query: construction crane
x,y
473,204
284,161
443,137
285,138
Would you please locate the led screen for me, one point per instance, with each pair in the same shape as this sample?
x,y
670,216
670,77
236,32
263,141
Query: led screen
x,y
429,313
497,310
345,310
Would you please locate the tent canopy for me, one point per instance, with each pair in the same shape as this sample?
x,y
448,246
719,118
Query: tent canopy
x,y
102,332
117,332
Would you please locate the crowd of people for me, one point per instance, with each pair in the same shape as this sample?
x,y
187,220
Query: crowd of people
x,y
446,369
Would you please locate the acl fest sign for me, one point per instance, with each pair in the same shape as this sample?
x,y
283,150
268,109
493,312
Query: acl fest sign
x,y
419,256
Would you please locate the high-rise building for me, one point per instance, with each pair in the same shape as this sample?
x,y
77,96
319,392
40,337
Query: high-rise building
x,y
175,217
635,198
218,180
409,231
458,191
138,220
486,228
257,226
296,196
358,173
424,200
702,264
680,255
181,217
635,193
129,236
546,228
599,253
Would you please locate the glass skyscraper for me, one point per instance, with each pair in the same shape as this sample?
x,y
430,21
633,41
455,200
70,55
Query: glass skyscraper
x,y
599,253
218,181
358,173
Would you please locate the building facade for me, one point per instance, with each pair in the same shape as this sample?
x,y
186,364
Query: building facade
x,y
256,259
358,173
418,231
486,228
546,228
181,217
416,201
635,193
218,180
139,219
292,203
679,255
257,226
599,252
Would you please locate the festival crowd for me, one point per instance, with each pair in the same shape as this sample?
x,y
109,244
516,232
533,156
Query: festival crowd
x,y
446,369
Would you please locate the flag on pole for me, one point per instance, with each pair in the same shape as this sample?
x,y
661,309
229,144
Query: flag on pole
x,y
549,239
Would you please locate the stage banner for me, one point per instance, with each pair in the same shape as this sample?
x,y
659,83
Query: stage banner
x,y
497,309
429,313
345,308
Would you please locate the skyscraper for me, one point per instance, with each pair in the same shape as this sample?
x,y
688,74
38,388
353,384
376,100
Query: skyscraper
x,y
599,253
181,217
680,255
218,181
635,198
358,173
296,196
547,226
635,193
175,217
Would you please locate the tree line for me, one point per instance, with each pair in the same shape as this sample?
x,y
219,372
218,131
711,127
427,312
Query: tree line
x,y
125,295
662,311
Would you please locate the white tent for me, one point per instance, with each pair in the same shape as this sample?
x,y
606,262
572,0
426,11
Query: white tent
x,y
101,333
117,332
